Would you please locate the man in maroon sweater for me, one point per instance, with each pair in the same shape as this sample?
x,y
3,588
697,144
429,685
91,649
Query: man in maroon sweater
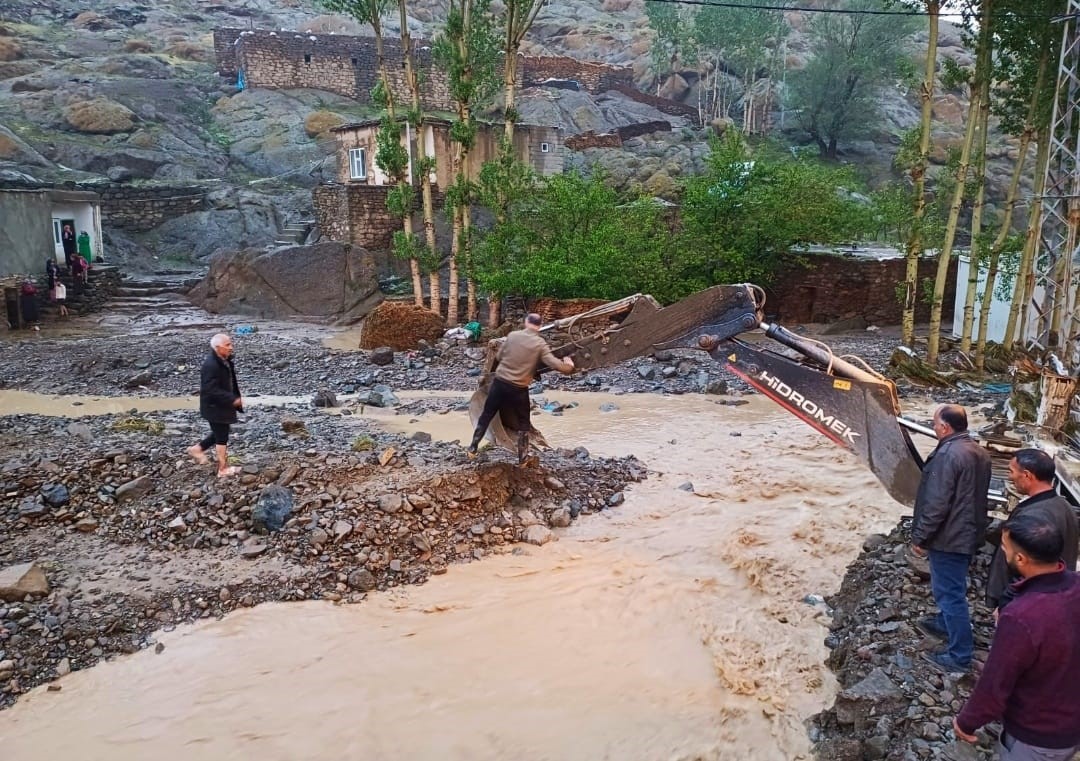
x,y
1031,682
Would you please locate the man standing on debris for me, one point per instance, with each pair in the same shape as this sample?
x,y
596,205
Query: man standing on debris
x,y
950,518
1030,682
1032,473
219,401
520,354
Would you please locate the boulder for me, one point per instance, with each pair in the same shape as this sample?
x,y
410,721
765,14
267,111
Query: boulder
x,y
99,116
272,510
134,489
325,398
382,356
18,581
325,280
873,696
55,494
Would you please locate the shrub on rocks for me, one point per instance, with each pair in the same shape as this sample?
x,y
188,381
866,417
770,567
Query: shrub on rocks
x,y
10,50
139,46
99,116
319,122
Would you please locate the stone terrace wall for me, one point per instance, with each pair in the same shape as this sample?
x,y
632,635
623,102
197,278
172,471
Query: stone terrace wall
x,y
614,139
663,105
838,287
593,77
140,209
336,63
357,214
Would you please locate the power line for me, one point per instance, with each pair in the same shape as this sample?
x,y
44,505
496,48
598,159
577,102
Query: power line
x,y
850,11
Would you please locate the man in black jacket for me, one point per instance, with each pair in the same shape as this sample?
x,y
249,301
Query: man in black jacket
x,y
950,518
219,401
1032,474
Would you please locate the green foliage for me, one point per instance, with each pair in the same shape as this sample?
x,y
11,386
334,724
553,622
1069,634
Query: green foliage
x,y
390,155
837,93
413,247
892,211
746,213
364,11
672,35
1024,35
401,199
573,236
468,50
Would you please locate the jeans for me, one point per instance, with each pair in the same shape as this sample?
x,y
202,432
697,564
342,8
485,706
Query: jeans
x,y
1011,749
948,582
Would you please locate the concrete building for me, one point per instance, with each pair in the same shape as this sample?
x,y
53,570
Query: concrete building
x,y
32,222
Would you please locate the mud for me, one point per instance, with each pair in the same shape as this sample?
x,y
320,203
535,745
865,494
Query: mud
x,y
670,626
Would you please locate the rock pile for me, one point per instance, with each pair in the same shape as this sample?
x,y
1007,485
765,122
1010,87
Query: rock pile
x,y
893,704
128,535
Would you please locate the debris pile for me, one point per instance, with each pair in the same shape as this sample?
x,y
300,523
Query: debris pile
x,y
401,326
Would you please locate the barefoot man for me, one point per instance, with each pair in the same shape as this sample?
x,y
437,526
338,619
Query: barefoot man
x,y
219,401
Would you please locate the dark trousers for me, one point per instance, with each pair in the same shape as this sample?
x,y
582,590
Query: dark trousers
x,y
948,582
513,404
219,435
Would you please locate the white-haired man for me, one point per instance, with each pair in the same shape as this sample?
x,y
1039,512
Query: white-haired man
x,y
219,401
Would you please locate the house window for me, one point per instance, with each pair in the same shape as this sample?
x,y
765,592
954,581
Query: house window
x,y
355,62
307,57
357,163
545,147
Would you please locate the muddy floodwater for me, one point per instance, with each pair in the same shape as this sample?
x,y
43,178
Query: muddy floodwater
x,y
670,628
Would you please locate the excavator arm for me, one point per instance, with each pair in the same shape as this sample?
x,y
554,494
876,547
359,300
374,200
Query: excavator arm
x,y
854,406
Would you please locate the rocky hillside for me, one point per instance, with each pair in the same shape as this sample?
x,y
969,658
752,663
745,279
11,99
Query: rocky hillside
x,y
128,93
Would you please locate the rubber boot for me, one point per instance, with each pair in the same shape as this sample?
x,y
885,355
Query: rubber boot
x,y
524,460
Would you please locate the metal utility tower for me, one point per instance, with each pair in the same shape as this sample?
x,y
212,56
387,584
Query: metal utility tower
x,y
1055,319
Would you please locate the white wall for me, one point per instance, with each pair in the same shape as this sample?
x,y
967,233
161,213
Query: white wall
x,y
999,309
87,217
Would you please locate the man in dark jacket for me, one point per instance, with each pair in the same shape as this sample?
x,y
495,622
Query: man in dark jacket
x,y
1030,682
219,401
950,518
1032,474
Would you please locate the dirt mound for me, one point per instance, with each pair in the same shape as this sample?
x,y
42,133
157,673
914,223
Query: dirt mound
x,y
400,326
326,280
99,116
10,50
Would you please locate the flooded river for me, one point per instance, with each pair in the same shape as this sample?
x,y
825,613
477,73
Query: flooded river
x,y
671,628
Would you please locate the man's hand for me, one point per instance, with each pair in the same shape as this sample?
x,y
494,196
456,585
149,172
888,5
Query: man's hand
x,y
962,734
918,551
997,612
238,402
569,362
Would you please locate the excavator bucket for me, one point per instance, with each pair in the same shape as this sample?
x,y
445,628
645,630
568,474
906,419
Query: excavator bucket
x,y
858,412
624,329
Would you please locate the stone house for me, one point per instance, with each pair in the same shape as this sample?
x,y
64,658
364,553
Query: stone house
x,y
540,147
32,222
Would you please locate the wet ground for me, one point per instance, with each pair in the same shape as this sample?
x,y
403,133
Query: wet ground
x,y
678,618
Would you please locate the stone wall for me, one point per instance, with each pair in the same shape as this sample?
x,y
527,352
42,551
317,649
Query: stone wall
x,y
355,214
340,64
663,105
836,287
593,77
614,139
139,209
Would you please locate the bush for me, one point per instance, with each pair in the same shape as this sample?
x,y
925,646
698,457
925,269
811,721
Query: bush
x,y
189,51
99,116
10,50
319,122
138,46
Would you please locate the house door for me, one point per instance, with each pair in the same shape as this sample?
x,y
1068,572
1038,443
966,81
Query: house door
x,y
58,235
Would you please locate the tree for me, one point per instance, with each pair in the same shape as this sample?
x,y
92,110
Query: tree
x,y
427,253
468,48
855,56
917,171
389,155
745,40
749,211
671,37
517,19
